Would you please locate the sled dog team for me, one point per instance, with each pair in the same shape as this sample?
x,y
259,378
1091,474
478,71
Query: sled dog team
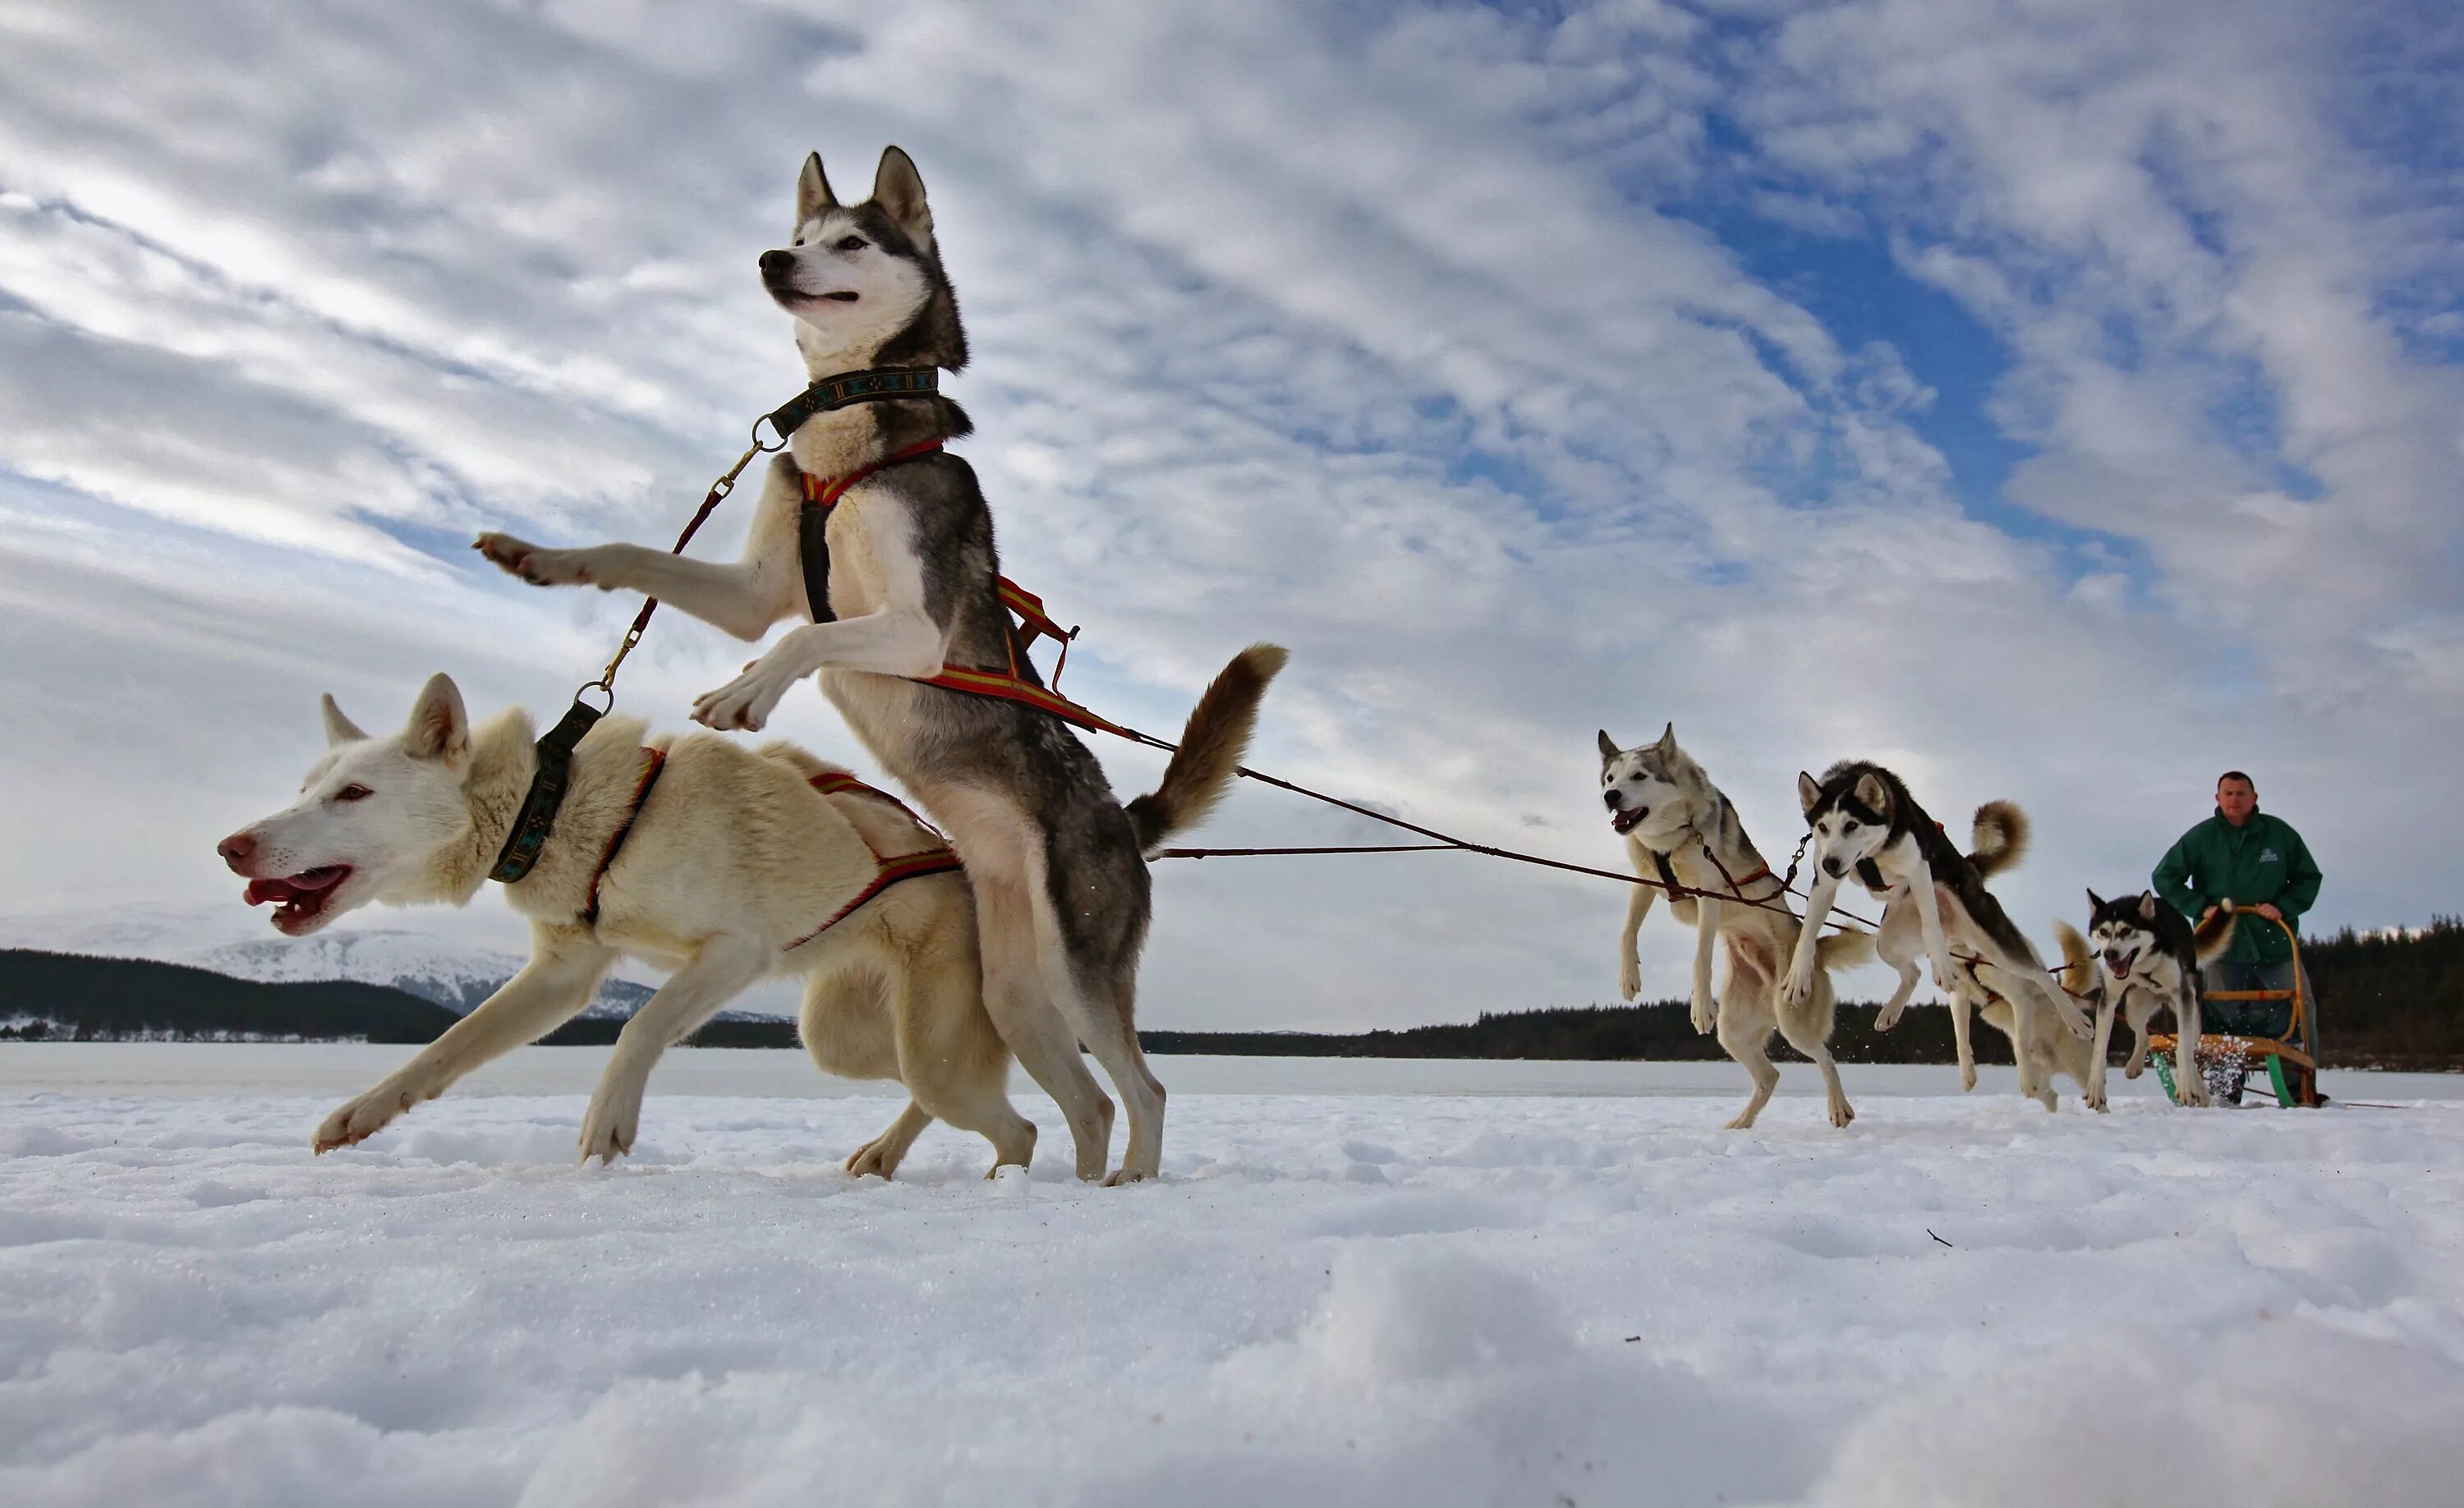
x,y
1863,825
1010,925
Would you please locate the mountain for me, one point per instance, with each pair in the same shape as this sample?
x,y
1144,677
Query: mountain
x,y
235,942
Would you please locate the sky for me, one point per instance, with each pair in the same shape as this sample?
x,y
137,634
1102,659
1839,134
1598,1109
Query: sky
x,y
2056,400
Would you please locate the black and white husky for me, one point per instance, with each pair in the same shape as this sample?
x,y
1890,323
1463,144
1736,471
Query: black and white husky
x,y
2141,956
1864,822
1057,863
1681,830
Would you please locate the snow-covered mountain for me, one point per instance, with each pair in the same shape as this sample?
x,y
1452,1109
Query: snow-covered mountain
x,y
234,941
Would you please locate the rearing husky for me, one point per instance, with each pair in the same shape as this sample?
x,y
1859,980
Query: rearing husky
x,y
1058,864
1680,828
1864,821
2152,957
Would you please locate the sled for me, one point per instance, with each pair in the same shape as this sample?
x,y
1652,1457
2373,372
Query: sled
x,y
2286,1057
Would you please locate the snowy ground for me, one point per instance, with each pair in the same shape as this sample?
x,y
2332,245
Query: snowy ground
x,y
1440,1297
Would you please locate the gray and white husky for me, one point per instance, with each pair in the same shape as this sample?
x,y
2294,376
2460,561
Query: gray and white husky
x,y
2151,956
1865,823
1058,863
1679,829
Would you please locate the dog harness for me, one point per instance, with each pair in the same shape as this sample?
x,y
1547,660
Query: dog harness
x,y
1014,682
940,858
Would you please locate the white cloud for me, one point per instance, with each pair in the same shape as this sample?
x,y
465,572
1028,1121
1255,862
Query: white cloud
x,y
1377,334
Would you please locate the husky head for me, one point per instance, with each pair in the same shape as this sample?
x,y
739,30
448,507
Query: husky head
x,y
372,817
1650,791
865,281
2123,931
1852,810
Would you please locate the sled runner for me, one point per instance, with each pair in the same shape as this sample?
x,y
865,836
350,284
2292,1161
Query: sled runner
x,y
2265,1030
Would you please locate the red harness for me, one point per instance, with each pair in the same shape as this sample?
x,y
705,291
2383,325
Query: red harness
x,y
1010,683
887,871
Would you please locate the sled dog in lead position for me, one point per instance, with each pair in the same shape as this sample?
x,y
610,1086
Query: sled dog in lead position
x,y
722,873
1057,863
1866,823
1679,829
2150,956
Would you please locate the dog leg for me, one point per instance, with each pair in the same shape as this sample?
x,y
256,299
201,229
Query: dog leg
x,y
1029,1023
949,1058
2187,1076
1749,1043
1799,986
550,990
1103,1011
719,972
880,1157
1805,1037
1929,902
2100,1050
1706,934
1964,1044
2035,1084
1894,944
2140,1010
1637,906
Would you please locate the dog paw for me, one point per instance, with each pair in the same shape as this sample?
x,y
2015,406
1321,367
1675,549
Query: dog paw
x,y
2080,1027
537,566
1967,1078
2095,1101
1889,1017
745,701
1842,1113
872,1161
1707,1015
363,1118
1125,1175
1629,980
1745,1121
2133,1070
611,1123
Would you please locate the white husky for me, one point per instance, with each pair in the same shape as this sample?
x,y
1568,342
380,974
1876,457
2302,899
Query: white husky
x,y
1679,829
721,863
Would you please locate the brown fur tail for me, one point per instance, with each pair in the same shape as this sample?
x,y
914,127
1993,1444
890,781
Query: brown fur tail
x,y
1211,747
2079,965
2211,939
1845,950
1998,838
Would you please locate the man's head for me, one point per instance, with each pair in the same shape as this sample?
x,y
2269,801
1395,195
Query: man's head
x,y
2236,796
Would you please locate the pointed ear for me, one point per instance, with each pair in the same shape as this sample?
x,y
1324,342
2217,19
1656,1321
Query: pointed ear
x,y
1873,794
1667,745
899,190
2147,905
812,191
1808,791
1609,749
439,728
339,730
2094,902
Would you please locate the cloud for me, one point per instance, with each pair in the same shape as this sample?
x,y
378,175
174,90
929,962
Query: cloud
x,y
1443,345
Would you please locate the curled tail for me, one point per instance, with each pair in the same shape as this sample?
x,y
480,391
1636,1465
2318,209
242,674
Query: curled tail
x,y
1998,838
2210,939
1211,747
2079,965
1845,950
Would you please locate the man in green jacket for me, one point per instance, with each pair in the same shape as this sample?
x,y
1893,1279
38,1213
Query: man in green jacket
x,y
2259,862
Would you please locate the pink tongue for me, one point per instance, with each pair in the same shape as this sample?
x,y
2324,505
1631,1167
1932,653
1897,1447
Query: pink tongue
x,y
307,882
260,891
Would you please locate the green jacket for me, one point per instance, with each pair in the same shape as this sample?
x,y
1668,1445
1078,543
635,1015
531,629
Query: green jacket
x,y
2262,860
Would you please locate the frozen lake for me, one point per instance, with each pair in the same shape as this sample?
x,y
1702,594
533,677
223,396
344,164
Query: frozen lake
x,y
1359,1283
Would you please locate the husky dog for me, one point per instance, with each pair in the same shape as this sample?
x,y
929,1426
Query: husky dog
x,y
2152,957
1866,823
1679,829
720,863
1058,864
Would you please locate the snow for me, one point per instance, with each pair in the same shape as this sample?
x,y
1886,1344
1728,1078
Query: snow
x,y
1402,1292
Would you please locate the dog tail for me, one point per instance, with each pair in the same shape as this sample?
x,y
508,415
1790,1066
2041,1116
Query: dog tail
x,y
1211,747
1998,838
1844,950
2212,937
2079,965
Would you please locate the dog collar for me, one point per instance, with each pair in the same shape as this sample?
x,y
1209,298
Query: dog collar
x,y
537,818
878,385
